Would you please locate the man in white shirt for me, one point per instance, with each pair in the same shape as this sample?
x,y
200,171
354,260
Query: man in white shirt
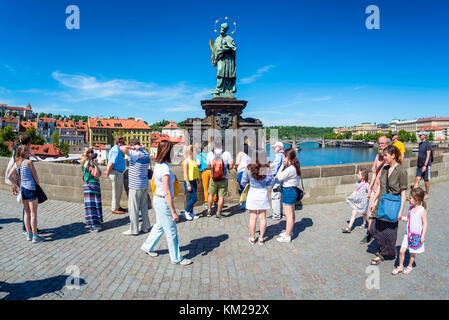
x,y
219,185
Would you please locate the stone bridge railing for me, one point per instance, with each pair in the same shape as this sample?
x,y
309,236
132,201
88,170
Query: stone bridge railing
x,y
323,184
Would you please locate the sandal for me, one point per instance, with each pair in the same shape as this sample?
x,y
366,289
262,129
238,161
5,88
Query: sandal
x,y
346,230
363,226
251,240
261,241
407,270
377,260
397,270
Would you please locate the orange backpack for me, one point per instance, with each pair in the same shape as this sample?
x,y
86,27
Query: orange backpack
x,y
218,169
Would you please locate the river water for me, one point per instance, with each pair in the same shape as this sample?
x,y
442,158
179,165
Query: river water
x,y
312,155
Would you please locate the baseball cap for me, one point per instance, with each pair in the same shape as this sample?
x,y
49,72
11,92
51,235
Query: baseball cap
x,y
278,144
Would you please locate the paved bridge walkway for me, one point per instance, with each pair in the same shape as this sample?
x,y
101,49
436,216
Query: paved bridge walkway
x,y
321,262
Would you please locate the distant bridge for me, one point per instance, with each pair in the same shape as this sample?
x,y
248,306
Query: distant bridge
x,y
329,142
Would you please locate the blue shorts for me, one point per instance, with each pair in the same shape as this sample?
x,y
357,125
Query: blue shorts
x,y
29,195
289,195
425,175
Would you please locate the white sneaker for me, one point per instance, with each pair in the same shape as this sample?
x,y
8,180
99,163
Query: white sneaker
x,y
193,216
143,230
151,254
128,233
282,233
186,215
29,236
284,239
183,262
37,239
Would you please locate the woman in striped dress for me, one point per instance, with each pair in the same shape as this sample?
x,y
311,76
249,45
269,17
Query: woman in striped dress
x,y
92,191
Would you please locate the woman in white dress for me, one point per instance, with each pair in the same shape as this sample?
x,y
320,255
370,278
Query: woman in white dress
x,y
259,176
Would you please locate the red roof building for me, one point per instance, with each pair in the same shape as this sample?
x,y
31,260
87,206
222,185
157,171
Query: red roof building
x,y
171,125
125,124
24,125
42,151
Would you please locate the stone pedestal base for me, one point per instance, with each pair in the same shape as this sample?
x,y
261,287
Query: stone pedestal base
x,y
224,114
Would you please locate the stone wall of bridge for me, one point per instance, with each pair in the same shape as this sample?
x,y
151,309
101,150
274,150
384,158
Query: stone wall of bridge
x,y
323,184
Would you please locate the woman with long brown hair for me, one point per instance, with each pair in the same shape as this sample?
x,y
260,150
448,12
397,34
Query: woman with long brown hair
x,y
259,176
26,182
166,215
393,180
288,175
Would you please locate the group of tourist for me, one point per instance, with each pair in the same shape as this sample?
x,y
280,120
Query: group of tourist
x,y
382,202
211,167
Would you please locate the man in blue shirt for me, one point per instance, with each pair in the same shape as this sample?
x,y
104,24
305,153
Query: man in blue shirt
x,y
276,200
114,171
424,162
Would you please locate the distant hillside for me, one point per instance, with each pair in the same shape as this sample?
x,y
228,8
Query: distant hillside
x,y
289,132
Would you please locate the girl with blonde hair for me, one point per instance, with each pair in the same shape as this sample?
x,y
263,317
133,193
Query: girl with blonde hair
x,y
191,175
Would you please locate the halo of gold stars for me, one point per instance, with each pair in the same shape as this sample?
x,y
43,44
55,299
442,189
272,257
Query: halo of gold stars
x,y
218,22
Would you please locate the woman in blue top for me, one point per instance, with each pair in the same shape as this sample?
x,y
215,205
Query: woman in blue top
x,y
28,179
259,176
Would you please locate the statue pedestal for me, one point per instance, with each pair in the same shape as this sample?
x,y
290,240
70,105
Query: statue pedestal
x,y
224,114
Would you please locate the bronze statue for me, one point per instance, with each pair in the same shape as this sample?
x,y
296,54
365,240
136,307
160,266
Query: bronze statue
x,y
223,56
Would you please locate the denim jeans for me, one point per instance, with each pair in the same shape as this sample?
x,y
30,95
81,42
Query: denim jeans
x,y
239,180
164,225
192,197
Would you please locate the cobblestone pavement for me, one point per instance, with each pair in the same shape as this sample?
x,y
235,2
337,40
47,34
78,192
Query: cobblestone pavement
x,y
320,263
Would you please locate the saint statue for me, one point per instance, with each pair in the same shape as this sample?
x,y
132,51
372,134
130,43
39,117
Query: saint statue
x,y
223,56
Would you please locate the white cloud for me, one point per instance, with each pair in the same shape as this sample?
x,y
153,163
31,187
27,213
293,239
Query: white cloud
x,y
180,97
257,75
9,68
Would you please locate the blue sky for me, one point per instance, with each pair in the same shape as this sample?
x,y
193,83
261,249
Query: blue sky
x,y
299,62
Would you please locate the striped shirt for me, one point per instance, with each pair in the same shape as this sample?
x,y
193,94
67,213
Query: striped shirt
x,y
139,162
26,178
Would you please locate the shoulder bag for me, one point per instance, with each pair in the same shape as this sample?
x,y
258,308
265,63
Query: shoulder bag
x,y
41,196
244,194
299,191
389,205
414,239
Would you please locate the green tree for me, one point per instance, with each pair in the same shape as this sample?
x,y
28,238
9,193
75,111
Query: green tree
x,y
55,138
35,138
403,136
8,134
65,148
4,150
157,126
118,133
413,137
431,137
